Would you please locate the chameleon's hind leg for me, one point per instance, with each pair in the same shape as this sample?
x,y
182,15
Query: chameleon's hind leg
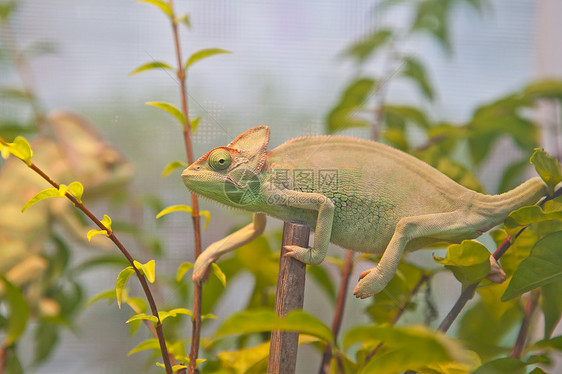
x,y
444,226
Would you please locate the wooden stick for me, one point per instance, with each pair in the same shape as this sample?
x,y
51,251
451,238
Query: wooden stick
x,y
290,296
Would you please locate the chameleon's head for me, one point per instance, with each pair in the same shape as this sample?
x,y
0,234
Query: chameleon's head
x,y
230,175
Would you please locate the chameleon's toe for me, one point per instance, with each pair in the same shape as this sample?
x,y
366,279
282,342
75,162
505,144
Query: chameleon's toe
x,y
306,255
364,274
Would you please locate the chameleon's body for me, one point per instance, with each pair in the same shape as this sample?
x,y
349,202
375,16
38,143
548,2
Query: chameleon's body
x,y
72,152
358,194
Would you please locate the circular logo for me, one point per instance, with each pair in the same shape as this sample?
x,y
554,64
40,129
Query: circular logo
x,y
243,188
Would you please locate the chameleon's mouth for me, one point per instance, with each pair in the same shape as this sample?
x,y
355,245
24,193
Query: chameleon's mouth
x,y
192,178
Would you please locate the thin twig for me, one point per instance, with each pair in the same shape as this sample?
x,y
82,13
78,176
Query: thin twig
x,y
468,293
117,242
522,336
181,74
338,315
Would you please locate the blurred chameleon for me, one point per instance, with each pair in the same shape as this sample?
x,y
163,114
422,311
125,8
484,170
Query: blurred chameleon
x,y
72,151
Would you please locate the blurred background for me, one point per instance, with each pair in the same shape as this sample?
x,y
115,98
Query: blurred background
x,y
286,70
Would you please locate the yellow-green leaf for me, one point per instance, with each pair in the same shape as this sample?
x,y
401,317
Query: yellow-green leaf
x,y
173,166
173,313
547,167
170,109
106,221
151,65
182,270
219,274
252,321
145,345
203,53
469,261
19,312
185,20
148,269
94,232
76,189
45,194
108,294
194,123
208,316
19,148
143,316
164,6
122,280
543,266
185,208
527,215
175,368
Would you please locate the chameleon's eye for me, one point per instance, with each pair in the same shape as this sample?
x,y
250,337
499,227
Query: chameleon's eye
x,y
219,159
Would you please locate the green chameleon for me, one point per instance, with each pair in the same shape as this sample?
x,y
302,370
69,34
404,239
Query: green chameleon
x,y
358,194
72,152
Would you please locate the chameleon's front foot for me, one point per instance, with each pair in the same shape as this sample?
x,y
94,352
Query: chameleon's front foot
x,y
309,255
370,283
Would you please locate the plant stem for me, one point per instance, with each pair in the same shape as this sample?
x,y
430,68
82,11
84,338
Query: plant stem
x,y
338,315
181,75
468,293
117,242
522,336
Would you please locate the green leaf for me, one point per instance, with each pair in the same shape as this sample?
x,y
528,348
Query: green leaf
x,y
150,66
511,175
6,9
122,280
415,70
554,343
528,215
551,303
344,114
551,88
203,53
469,261
185,208
108,295
364,48
218,273
194,123
19,312
76,189
15,93
45,194
46,339
252,321
143,316
432,17
182,270
543,266
502,365
185,19
547,167
103,260
409,348
170,109
145,345
538,371
148,269
173,166
410,114
164,6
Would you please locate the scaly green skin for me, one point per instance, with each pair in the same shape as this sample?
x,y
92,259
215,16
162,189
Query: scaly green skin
x,y
358,194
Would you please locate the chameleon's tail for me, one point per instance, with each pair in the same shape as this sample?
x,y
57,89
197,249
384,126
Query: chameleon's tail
x,y
528,193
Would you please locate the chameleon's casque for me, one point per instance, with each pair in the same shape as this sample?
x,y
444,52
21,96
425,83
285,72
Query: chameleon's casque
x,y
358,194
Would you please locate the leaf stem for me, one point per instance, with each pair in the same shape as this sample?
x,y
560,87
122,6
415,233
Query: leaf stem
x,y
522,336
338,315
181,75
117,242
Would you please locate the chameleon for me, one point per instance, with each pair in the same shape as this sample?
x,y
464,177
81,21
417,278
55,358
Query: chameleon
x,y
358,194
72,151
